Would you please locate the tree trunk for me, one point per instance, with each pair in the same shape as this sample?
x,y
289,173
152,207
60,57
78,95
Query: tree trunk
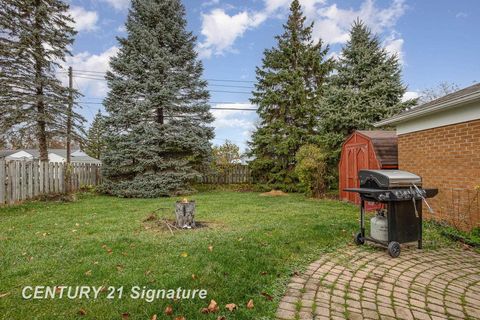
x,y
160,117
185,214
41,116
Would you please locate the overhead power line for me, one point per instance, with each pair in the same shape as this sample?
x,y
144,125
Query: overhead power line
x,y
96,73
212,108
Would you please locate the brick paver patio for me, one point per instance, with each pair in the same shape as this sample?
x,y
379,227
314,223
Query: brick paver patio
x,y
363,284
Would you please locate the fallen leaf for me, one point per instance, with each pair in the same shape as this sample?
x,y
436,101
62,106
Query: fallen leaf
x,y
263,273
57,289
119,267
267,296
109,251
4,294
125,315
103,289
250,304
104,246
82,312
77,224
213,306
221,318
73,230
180,318
194,277
231,306
184,255
148,272
210,248
88,273
95,262
154,317
204,310
168,311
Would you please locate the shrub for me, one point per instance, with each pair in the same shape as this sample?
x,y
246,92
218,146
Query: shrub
x,y
311,169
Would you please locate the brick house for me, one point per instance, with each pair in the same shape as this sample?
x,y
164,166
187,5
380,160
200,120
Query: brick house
x,y
440,141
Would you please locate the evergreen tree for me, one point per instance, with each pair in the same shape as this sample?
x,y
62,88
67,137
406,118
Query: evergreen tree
x,y
95,142
158,114
34,38
290,84
366,88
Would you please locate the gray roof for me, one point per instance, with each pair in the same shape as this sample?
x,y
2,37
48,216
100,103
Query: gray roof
x,y
81,157
457,98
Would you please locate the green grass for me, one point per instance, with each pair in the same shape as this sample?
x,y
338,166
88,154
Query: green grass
x,y
257,243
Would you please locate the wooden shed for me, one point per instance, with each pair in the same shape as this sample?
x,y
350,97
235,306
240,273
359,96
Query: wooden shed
x,y
365,150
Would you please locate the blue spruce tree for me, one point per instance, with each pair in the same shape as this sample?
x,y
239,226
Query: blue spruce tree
x,y
158,113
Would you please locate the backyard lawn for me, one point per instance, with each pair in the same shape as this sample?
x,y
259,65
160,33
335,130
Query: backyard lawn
x,y
248,248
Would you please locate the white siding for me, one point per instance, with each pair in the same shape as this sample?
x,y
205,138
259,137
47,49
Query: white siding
x,y
447,117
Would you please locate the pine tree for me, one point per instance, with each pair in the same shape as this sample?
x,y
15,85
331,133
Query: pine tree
x,y
366,88
34,38
158,114
290,84
95,142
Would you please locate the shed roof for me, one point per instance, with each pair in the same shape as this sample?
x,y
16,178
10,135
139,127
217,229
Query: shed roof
x,y
385,144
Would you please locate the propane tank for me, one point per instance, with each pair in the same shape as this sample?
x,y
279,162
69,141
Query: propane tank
x,y
379,226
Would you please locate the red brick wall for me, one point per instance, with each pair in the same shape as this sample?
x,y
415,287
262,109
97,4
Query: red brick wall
x,y
447,158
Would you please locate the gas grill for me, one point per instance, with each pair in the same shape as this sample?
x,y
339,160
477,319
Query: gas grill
x,y
402,194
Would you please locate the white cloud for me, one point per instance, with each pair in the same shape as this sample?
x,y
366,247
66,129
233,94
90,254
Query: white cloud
x,y
461,15
332,23
221,30
410,95
84,20
210,3
119,4
394,45
233,118
86,61
122,28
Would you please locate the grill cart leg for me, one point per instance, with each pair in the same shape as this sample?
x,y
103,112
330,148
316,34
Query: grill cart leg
x,y
362,218
360,236
420,230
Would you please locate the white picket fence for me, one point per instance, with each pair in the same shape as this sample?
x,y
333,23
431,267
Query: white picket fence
x,y
23,180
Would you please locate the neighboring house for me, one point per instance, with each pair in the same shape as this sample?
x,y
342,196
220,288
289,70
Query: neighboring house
x,y
54,155
440,141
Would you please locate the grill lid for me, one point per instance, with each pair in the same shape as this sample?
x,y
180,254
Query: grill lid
x,y
384,179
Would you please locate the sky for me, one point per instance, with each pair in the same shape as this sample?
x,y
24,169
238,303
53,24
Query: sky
x,y
435,40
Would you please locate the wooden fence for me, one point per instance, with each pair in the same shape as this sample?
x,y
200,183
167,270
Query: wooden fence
x,y
22,180
238,173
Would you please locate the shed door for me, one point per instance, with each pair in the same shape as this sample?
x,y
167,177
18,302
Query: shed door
x,y
357,159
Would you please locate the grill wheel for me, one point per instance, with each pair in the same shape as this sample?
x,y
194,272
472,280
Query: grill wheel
x,y
359,239
394,249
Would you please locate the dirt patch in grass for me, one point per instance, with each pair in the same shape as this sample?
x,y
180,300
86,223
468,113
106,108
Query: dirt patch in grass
x,y
274,193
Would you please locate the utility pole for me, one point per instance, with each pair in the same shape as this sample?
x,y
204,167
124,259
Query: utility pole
x,y
69,130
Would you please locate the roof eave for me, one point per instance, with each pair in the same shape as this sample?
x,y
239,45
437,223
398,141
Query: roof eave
x,y
418,112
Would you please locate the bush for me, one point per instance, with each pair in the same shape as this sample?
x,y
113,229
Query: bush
x,y
311,169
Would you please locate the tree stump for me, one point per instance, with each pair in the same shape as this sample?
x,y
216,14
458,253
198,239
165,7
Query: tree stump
x,y
185,214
